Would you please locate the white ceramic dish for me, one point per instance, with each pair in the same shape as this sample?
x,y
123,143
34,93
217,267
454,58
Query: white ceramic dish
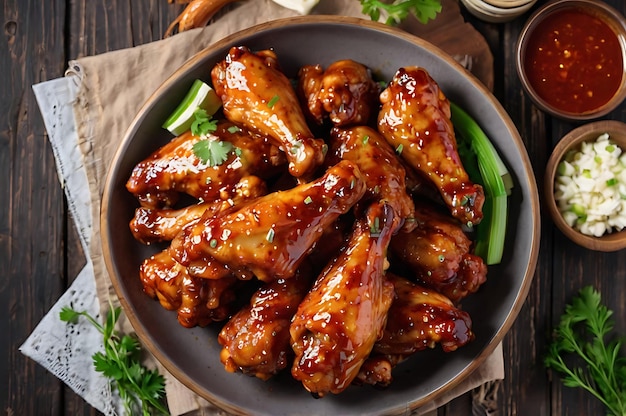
x,y
509,4
493,13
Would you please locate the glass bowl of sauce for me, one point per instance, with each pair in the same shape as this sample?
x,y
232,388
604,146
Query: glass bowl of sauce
x,y
571,58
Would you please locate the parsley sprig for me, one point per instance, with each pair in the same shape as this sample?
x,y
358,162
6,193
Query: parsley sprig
x,y
398,10
120,362
583,356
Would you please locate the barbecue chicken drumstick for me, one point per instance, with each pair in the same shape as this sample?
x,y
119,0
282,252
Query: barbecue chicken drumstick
x,y
272,235
415,120
339,320
258,95
383,172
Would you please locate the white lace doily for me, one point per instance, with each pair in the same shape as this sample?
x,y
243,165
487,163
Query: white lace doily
x,y
66,349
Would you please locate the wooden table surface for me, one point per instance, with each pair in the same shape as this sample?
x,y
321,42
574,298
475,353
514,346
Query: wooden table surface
x,y
40,252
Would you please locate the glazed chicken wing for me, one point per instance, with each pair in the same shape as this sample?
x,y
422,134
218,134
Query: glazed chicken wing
x,y
175,168
257,94
415,120
256,340
197,301
345,92
271,236
419,318
438,252
377,370
339,320
152,224
384,174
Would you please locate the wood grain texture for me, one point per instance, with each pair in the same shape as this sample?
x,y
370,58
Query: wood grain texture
x,y
32,218
39,246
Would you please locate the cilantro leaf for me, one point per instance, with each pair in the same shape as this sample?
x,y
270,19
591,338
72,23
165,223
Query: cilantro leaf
x,y
398,10
212,152
202,124
271,103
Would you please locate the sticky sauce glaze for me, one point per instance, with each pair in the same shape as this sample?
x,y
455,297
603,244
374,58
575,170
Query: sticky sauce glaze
x,y
574,61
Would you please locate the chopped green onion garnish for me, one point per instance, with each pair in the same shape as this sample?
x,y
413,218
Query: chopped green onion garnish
x,y
579,210
375,227
270,235
296,148
273,101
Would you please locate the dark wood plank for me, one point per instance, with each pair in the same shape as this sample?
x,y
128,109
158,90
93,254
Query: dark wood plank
x,y
562,267
97,27
525,389
39,246
73,404
103,26
32,213
574,268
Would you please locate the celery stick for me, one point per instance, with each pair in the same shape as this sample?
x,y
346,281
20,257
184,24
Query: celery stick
x,y
497,182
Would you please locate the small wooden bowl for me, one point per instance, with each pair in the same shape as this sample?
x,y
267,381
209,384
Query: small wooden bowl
x,y
595,8
588,132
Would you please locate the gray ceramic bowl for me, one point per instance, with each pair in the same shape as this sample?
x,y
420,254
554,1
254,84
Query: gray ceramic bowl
x,y
192,355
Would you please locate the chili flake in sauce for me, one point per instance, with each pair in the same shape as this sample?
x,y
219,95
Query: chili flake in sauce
x,y
574,61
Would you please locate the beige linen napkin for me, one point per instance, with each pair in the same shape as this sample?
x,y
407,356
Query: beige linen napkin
x,y
113,86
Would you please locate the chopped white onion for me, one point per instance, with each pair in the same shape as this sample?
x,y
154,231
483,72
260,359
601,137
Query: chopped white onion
x,y
590,187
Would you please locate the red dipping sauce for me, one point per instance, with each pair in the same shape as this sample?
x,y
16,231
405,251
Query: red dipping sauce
x,y
574,61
